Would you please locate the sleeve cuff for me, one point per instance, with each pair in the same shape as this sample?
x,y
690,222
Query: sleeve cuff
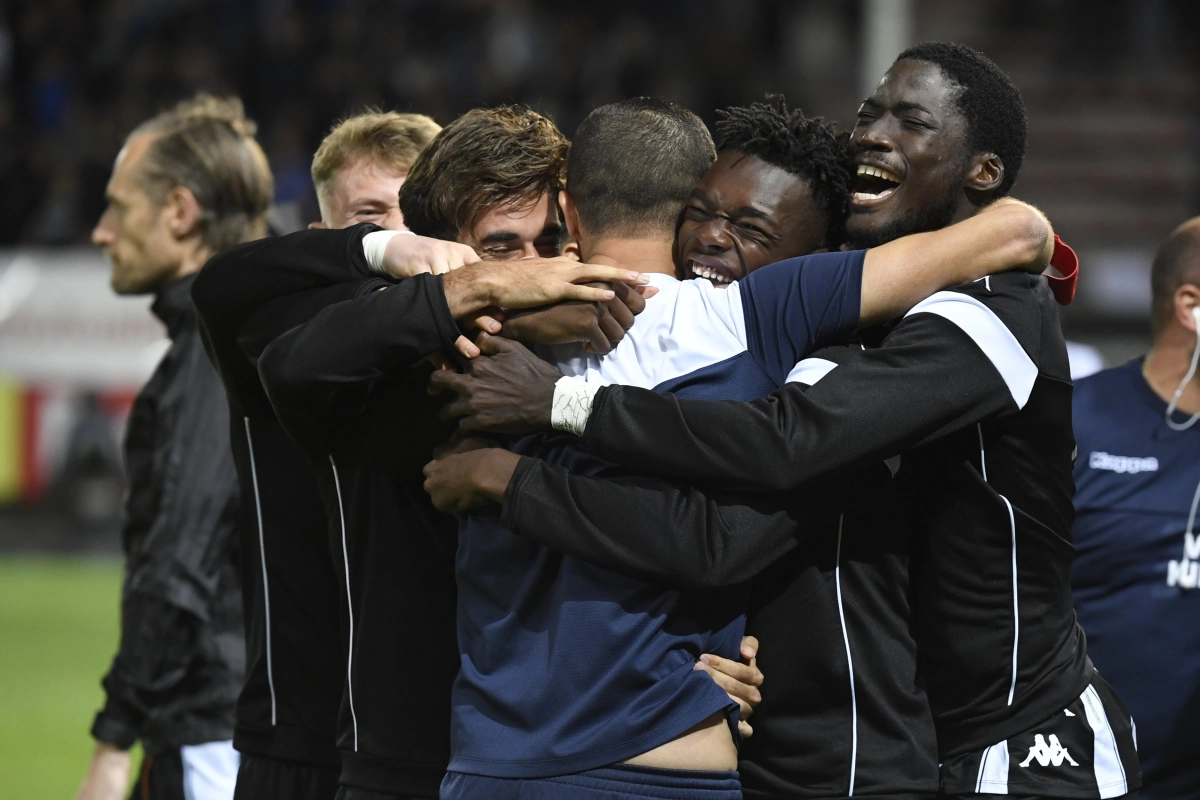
x,y
510,511
110,730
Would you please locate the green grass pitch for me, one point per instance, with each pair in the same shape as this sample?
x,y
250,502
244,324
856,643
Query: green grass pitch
x,y
58,633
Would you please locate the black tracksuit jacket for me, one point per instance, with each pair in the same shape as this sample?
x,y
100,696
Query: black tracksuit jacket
x,y
295,672
175,678
349,387
972,391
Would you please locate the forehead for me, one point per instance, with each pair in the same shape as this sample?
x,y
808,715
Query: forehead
x,y
527,219
125,168
366,176
918,83
738,180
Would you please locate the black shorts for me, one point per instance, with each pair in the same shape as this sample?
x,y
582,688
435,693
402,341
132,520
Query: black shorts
x,y
263,778
1087,751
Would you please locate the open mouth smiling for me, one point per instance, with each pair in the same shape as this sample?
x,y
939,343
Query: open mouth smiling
x,y
719,276
873,185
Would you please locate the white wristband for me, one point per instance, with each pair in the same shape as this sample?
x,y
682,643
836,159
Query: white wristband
x,y
572,404
375,245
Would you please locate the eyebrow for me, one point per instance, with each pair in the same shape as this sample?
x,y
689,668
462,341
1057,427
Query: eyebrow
x,y
749,211
909,106
498,237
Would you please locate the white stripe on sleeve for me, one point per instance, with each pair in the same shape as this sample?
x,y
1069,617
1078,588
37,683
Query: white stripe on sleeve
x,y
991,335
810,370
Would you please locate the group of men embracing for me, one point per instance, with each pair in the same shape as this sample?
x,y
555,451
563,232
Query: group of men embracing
x,y
630,437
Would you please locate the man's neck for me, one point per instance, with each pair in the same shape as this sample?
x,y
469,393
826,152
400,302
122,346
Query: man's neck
x,y
643,255
1167,363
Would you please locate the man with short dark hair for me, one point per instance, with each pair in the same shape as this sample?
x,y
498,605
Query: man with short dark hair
x,y
1137,566
348,383
972,387
187,183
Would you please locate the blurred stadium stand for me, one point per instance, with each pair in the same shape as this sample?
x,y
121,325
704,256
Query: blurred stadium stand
x,y
1112,88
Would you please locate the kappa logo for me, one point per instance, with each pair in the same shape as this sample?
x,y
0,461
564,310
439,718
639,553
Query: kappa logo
x,y
1130,465
1185,573
1048,754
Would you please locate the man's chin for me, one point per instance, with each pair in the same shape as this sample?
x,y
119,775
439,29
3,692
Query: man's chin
x,y
866,229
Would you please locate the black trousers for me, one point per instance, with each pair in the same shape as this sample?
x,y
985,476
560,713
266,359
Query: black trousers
x,y
262,778
354,793
160,778
1130,796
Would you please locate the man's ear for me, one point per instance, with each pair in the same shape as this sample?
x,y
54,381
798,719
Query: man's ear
x,y
1187,299
183,212
985,175
570,214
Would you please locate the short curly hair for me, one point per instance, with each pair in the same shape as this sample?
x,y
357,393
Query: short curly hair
x,y
807,147
989,101
486,158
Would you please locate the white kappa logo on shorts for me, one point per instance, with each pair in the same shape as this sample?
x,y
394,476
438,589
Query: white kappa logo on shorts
x,y
1047,754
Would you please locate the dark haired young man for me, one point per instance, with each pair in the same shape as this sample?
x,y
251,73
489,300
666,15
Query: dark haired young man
x,y
972,387
527,609
349,387
778,189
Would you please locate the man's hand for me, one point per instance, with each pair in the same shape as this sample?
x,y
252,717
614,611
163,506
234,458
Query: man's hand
x,y
739,680
531,282
511,391
107,775
467,474
599,326
406,256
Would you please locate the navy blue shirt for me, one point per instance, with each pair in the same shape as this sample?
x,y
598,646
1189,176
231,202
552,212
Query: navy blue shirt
x,y
567,666
1135,573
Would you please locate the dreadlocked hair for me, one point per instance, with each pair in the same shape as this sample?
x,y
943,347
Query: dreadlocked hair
x,y
807,147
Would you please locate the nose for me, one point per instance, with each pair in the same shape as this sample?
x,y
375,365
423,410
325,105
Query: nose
x,y
394,221
102,235
713,236
872,137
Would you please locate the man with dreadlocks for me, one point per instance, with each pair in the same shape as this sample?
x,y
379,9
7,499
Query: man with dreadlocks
x,y
603,674
778,189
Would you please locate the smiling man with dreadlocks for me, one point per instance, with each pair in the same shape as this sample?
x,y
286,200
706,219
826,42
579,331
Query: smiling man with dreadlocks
x,y
780,188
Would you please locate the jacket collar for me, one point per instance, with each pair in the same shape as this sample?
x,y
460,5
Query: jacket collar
x,y
173,304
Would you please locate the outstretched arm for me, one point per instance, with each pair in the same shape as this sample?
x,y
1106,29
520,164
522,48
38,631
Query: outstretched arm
x,y
1006,235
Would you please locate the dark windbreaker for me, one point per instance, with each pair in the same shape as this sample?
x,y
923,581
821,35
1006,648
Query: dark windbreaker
x,y
176,676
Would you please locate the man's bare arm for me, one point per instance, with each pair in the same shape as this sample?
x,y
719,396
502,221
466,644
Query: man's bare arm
x,y
1006,235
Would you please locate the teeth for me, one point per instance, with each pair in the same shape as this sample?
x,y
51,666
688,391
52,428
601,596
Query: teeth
x,y
870,196
711,274
876,172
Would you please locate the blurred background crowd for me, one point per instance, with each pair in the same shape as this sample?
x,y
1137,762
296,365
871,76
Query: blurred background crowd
x,y
1111,86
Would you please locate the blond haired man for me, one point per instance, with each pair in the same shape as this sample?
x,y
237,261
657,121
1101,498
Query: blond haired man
x,y
359,168
287,713
188,183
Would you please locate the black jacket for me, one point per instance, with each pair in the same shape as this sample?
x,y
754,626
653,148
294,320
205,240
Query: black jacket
x,y
176,676
295,673
843,711
973,389
349,386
